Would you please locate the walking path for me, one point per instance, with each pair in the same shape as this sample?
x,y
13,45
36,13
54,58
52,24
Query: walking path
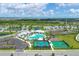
x,y
51,45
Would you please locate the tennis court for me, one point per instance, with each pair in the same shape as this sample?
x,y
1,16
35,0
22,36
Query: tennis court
x,y
41,44
60,44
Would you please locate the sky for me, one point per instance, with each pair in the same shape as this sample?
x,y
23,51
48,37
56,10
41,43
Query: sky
x,y
39,10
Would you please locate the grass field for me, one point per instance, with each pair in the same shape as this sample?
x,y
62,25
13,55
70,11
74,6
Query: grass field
x,y
5,33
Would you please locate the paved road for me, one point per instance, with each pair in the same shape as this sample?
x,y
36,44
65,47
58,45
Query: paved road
x,y
56,53
42,53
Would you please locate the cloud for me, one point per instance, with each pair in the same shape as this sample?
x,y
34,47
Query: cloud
x,y
67,4
61,4
68,9
74,11
50,12
25,9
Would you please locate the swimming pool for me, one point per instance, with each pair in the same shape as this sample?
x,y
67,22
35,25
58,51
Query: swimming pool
x,y
36,36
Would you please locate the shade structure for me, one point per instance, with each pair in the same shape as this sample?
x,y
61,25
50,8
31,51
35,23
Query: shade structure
x,y
40,31
36,36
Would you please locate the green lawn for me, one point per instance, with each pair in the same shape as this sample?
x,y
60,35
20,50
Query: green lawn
x,y
5,33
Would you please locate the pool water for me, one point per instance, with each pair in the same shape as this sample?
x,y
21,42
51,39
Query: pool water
x,y
59,44
36,36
